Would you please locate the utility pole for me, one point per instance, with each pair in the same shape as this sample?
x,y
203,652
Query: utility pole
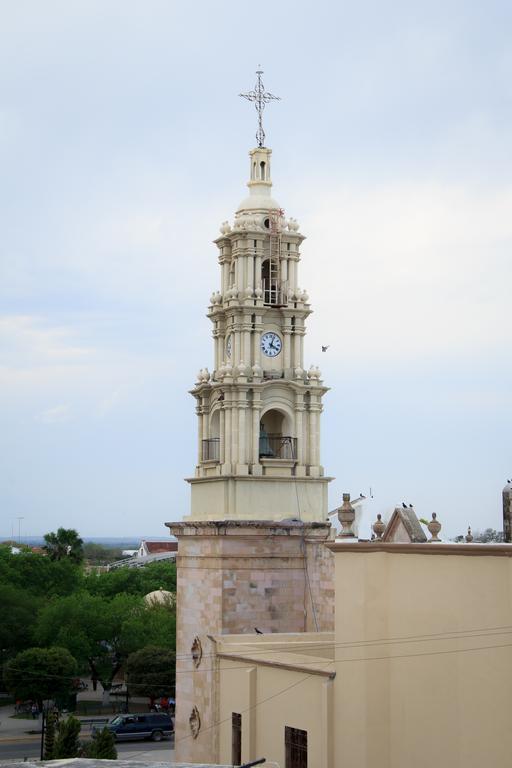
x,y
19,529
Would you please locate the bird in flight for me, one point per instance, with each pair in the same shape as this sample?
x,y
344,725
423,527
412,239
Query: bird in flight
x,y
324,349
258,631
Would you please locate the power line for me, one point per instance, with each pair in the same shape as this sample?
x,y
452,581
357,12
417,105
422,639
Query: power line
x,y
446,636
336,661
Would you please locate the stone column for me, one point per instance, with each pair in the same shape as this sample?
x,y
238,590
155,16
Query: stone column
x,y
206,425
297,357
240,276
247,344
219,349
292,274
257,269
312,436
225,277
284,270
256,412
199,434
242,431
299,432
314,421
227,433
258,326
287,335
301,345
222,436
235,446
250,271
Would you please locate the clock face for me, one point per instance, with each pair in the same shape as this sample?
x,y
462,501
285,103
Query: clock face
x,y
229,342
271,344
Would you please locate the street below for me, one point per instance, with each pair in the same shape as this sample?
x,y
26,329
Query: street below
x,y
135,750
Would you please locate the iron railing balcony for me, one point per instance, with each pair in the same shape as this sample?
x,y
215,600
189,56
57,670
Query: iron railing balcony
x,y
211,449
278,447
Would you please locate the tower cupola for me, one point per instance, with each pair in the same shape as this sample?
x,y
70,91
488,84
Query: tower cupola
x,y
260,182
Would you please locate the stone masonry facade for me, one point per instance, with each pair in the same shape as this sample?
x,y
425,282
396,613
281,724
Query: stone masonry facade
x,y
233,577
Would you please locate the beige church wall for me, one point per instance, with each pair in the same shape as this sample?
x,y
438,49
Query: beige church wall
x,y
265,498
439,692
258,693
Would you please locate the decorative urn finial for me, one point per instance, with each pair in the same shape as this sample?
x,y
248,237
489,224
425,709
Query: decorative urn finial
x,y
378,528
346,516
469,535
434,527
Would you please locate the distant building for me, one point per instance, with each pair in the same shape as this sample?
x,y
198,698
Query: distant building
x,y
148,547
148,552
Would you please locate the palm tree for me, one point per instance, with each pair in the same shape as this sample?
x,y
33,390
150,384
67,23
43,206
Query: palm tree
x,y
65,543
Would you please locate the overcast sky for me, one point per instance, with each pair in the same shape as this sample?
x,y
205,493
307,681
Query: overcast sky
x,y
123,146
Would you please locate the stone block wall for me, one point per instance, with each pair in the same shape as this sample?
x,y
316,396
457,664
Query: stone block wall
x,y
233,577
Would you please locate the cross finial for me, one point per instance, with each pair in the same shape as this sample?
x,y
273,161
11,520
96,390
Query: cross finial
x,y
260,98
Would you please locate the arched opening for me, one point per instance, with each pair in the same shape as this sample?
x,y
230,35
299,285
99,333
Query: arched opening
x,y
211,445
270,282
254,171
276,441
262,170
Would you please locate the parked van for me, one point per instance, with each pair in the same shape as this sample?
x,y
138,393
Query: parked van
x,y
156,726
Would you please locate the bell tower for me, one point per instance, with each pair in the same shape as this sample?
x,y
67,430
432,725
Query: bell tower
x,y
259,409
252,552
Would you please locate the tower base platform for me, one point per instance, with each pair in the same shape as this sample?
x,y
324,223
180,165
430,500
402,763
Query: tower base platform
x,y
259,498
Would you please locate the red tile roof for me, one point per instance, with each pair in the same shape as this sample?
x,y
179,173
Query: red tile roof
x,y
161,546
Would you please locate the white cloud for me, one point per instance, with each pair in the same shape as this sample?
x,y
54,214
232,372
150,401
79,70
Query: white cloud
x,y
107,404
30,340
55,415
407,270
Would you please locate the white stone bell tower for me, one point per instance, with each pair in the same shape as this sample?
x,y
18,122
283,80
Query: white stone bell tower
x,y
259,410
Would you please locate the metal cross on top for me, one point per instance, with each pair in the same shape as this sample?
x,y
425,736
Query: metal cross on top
x,y
260,98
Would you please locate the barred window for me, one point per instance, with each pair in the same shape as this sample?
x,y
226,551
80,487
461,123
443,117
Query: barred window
x,y
296,747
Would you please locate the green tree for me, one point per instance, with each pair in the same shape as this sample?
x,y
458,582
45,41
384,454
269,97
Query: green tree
x,y
49,736
151,672
40,673
16,627
134,581
38,575
66,543
67,743
99,632
102,746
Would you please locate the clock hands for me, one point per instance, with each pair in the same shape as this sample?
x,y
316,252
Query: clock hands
x,y
271,344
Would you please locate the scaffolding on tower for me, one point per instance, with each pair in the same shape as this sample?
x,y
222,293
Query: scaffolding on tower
x,y
275,290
